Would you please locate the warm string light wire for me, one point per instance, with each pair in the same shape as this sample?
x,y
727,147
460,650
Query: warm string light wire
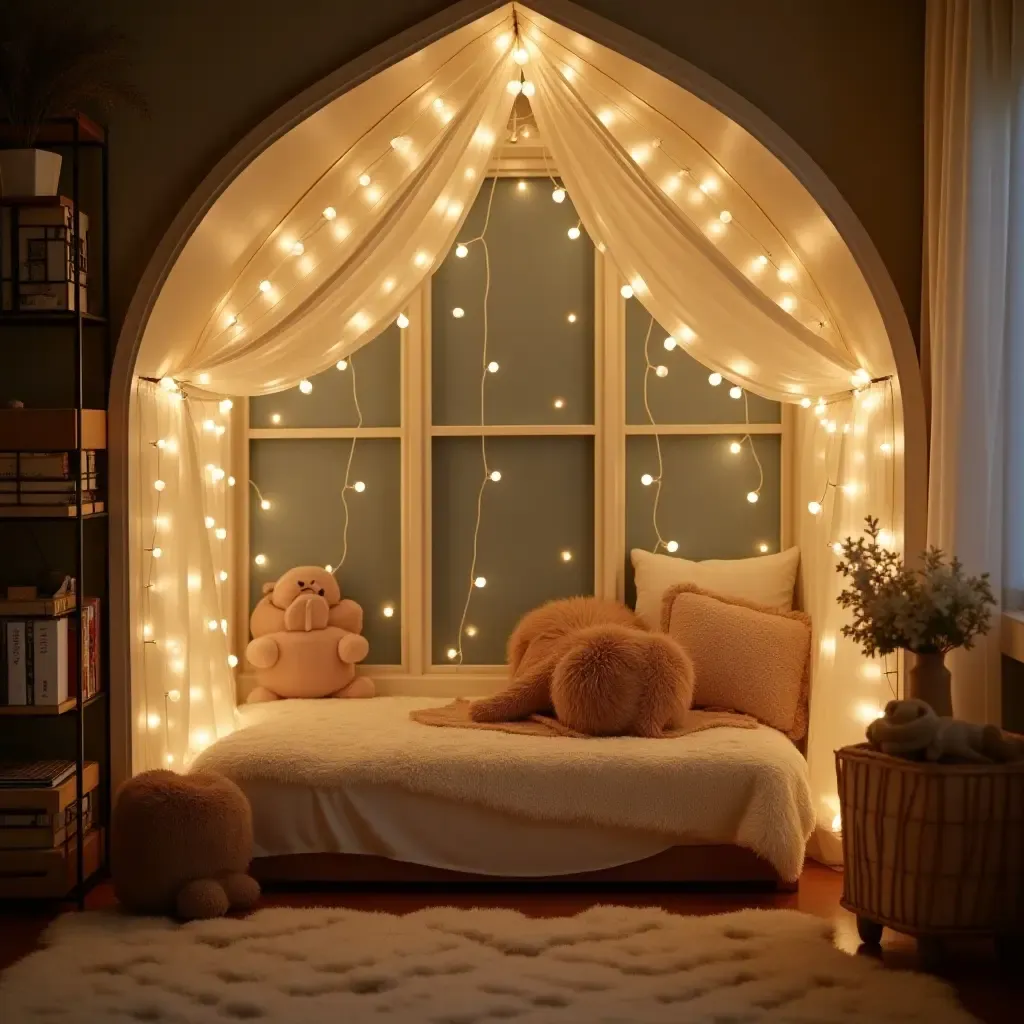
x,y
321,221
825,317
749,440
346,486
485,372
660,541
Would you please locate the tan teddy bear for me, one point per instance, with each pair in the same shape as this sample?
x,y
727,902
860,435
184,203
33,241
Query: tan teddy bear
x,y
306,639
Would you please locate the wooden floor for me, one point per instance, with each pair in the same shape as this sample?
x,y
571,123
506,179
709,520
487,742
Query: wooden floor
x,y
994,994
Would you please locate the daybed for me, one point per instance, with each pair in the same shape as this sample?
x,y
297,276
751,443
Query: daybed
x,y
356,791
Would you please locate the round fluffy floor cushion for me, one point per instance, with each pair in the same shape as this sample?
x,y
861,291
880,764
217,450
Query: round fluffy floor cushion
x,y
181,844
608,964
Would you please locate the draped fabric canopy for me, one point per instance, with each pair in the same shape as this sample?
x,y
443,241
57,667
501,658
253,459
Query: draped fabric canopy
x,y
366,229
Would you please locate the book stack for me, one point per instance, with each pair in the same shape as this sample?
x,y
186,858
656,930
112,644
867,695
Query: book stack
x,y
38,655
48,478
41,820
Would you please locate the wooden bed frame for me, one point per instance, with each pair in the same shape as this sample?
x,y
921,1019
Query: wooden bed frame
x,y
678,865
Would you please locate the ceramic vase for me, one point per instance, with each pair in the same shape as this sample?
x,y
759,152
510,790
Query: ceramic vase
x,y
930,681
29,172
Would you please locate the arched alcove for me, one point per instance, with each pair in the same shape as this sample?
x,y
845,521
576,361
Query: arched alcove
x,y
225,228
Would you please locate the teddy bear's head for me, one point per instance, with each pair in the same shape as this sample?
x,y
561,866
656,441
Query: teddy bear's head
x,y
902,712
306,579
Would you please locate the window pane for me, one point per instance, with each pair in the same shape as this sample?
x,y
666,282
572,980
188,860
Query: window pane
x,y
542,506
683,395
302,479
539,276
378,376
703,504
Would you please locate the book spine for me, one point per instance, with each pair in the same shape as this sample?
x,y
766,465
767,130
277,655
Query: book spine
x,y
94,648
17,675
86,628
4,692
30,671
50,676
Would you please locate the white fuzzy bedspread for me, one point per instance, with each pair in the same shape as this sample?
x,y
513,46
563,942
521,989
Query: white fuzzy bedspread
x,y
747,787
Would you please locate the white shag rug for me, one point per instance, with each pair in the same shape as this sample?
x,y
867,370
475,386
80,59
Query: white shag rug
x,y
608,965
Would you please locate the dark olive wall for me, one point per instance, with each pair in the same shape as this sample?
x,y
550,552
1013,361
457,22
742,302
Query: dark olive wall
x,y
844,79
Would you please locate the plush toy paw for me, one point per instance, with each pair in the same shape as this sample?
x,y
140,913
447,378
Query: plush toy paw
x,y
260,695
361,686
241,890
306,613
262,652
353,648
202,899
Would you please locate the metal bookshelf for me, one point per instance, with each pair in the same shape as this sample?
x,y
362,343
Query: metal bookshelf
x,y
78,140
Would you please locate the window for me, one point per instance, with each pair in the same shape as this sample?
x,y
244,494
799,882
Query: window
x,y
455,529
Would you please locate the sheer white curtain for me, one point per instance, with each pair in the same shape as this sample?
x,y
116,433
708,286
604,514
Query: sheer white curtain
x,y
695,247
973,337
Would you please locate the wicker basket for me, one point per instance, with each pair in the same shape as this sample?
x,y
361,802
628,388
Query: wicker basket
x,y
932,849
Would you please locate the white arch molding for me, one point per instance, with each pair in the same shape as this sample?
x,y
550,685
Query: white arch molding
x,y
792,192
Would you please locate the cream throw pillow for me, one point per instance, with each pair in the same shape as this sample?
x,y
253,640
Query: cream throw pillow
x,y
746,657
768,580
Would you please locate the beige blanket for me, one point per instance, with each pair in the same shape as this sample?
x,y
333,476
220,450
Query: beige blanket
x,y
456,716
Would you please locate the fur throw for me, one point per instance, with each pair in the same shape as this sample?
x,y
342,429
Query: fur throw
x,y
596,666
910,728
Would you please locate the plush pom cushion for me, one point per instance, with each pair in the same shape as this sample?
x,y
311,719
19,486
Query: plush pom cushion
x,y
746,657
767,580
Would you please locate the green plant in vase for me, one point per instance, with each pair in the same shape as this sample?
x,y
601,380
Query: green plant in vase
x,y
928,610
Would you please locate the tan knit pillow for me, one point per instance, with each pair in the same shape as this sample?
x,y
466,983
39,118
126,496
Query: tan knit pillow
x,y
746,657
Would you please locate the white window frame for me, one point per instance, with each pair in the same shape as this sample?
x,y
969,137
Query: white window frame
x,y
416,675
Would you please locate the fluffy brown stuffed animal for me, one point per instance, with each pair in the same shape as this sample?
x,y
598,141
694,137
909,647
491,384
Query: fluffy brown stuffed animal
x,y
912,729
306,639
596,666
181,844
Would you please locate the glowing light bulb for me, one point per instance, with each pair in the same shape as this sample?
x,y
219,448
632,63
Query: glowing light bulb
x,y
218,475
521,185
805,403
329,568
276,418
725,216
480,582
265,286
305,386
573,233
571,318
209,426
520,55
559,403
158,485
529,89
471,631
359,486
669,343
788,303
814,507
200,739
204,379
885,448
421,259
232,660
265,505
153,720
735,392
458,312
558,195
786,273
639,154
758,264
330,213
735,447
763,548
222,575
886,538
492,367
298,249
626,291
260,559
452,653
461,251
168,384
752,497
341,364
157,552
661,371
837,548
364,179
868,712
230,320
495,476
861,379
831,426
147,631
647,479
714,379
672,546
696,196
566,556
388,611
161,443
174,696
402,321
226,405
210,522
606,117
515,87
709,185
220,533
837,824
212,625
